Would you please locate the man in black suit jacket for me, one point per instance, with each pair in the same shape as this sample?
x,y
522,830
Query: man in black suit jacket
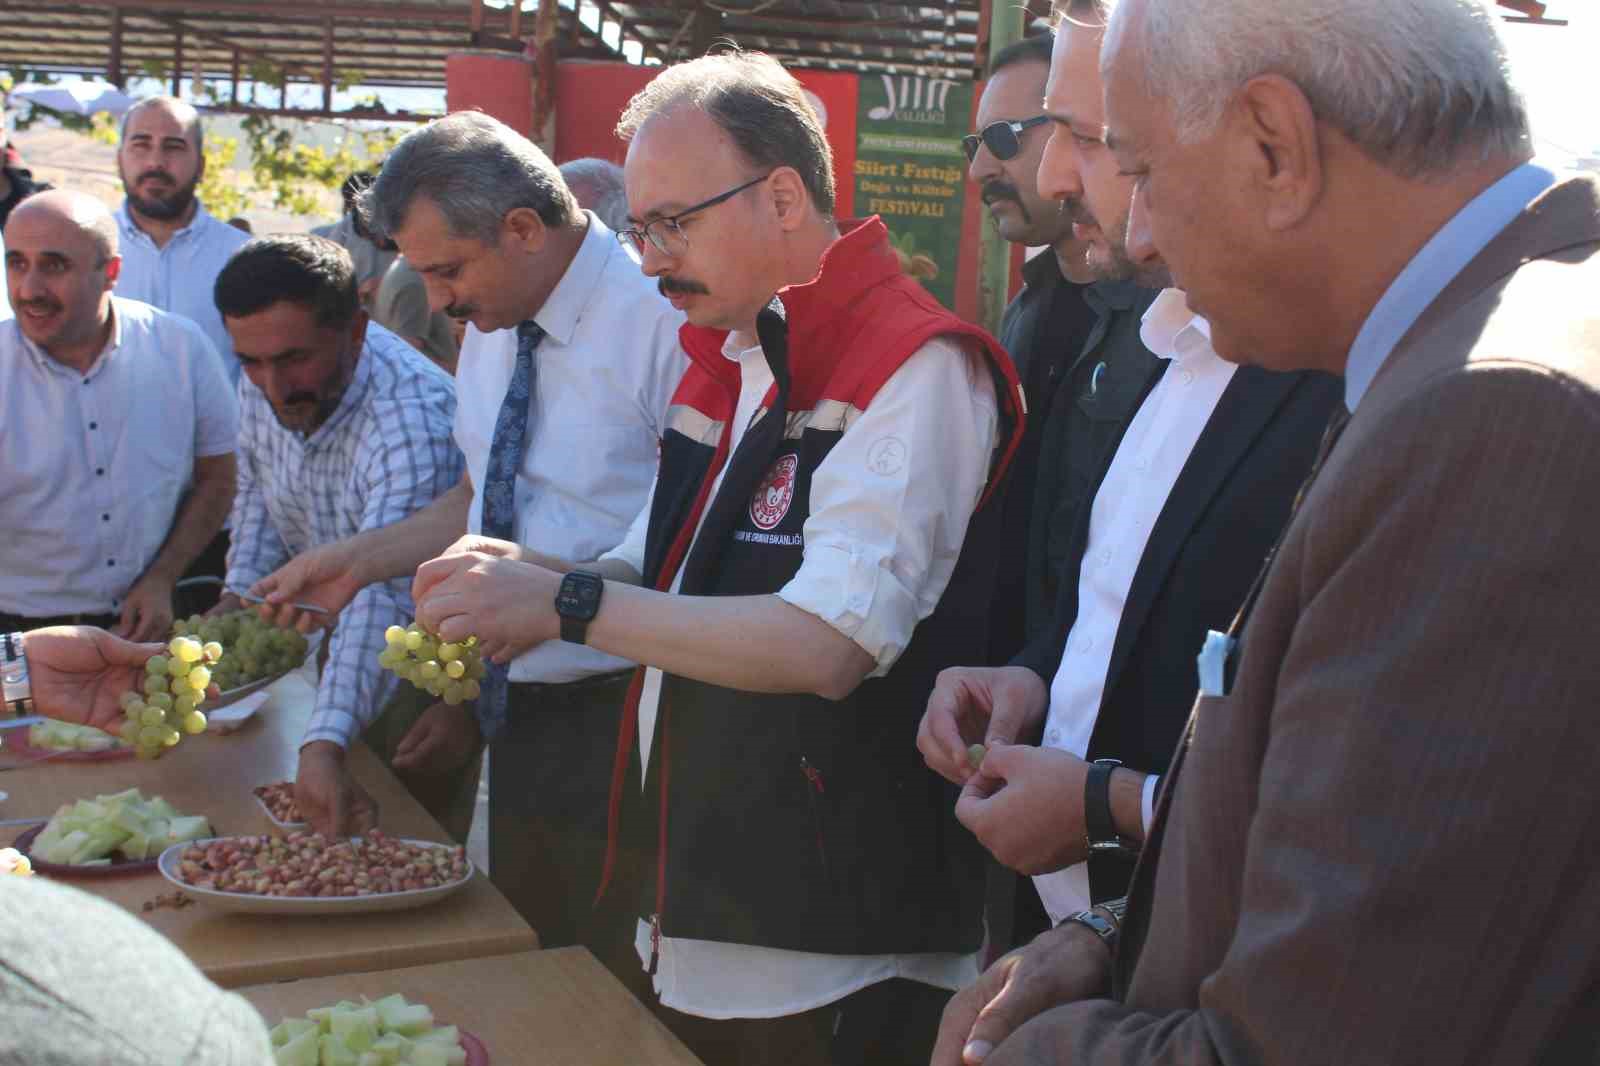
x,y
1189,503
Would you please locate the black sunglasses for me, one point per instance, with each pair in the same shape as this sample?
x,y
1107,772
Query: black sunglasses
x,y
1001,138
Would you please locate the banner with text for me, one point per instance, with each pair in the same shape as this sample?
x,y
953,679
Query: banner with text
x,y
909,168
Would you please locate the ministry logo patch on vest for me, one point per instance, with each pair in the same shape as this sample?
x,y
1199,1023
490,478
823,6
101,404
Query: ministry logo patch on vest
x,y
775,493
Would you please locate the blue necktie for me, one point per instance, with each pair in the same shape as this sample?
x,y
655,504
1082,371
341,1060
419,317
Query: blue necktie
x,y
500,499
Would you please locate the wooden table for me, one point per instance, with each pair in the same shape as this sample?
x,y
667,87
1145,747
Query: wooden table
x,y
214,775
538,1008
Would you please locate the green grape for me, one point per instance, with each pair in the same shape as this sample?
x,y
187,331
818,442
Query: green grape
x,y
157,665
152,685
134,709
414,640
150,736
186,703
199,677
212,651
162,700
455,667
190,651
454,692
129,698
177,667
153,716
130,732
449,653
194,722
170,736
472,689
394,635
429,670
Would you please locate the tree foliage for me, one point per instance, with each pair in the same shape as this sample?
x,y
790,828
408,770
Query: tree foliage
x,y
295,175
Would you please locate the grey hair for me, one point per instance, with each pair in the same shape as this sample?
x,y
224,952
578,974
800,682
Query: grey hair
x,y
476,170
191,121
601,179
758,104
1422,86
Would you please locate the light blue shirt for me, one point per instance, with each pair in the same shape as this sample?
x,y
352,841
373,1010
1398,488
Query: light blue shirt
x,y
1447,254
96,464
179,277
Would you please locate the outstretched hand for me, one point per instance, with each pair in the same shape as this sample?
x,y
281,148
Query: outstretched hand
x,y
79,673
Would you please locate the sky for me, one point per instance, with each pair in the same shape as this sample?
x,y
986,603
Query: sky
x,y
1558,70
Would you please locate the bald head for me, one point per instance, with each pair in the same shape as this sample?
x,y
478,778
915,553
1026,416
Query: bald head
x,y
61,264
68,211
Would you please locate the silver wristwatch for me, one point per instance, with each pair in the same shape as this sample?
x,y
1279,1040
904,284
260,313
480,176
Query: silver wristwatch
x,y
15,691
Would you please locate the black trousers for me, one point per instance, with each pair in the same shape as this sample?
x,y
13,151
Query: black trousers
x,y
892,1023
16,623
549,792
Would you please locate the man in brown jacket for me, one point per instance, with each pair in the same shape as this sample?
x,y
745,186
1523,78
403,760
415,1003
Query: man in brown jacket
x,y
1377,840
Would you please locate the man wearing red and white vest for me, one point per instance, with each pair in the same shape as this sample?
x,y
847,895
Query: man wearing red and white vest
x,y
815,549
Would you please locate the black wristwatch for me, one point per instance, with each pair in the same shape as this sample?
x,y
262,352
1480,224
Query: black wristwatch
x,y
577,602
1101,827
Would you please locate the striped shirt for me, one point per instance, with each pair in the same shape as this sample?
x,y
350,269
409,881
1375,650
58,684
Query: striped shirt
x,y
385,453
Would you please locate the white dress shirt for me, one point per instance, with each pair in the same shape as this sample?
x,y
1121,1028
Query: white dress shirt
x,y
879,551
97,464
180,276
1148,461
604,377
384,454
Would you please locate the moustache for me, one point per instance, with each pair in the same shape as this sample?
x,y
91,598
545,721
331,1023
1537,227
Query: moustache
x,y
157,173
996,189
668,285
461,312
1077,212
48,307
299,399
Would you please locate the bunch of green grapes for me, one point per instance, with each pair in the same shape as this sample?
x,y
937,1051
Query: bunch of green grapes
x,y
450,671
174,688
256,648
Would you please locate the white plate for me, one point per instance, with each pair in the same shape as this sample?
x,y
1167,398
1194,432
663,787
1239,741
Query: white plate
x,y
249,903
285,826
234,695
227,719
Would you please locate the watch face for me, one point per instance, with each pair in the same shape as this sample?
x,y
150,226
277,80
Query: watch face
x,y
579,597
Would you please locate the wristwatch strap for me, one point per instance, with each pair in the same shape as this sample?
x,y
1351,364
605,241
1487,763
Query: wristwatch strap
x,y
1099,925
15,691
1101,827
574,630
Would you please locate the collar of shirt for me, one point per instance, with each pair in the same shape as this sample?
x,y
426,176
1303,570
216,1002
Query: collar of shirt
x,y
1107,297
354,395
1171,331
48,363
1449,251
564,308
131,231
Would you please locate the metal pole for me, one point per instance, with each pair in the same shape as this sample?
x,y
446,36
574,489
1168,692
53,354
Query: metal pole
x,y
994,251
114,61
177,58
327,64
235,77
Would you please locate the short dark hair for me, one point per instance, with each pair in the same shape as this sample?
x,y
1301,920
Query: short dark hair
x,y
1035,49
758,104
311,271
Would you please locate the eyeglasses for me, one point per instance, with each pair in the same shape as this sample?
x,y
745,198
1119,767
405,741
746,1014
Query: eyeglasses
x,y
1001,138
667,235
